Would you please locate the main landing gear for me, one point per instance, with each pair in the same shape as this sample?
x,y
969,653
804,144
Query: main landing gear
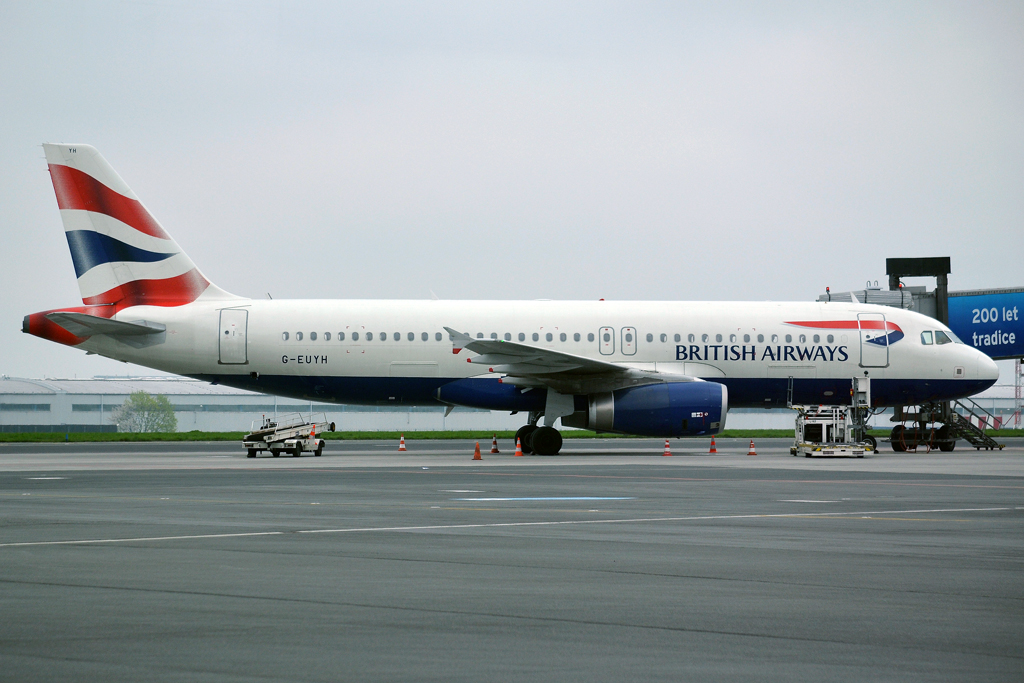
x,y
539,440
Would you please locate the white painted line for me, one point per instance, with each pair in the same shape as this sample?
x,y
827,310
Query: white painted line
x,y
460,491
44,478
806,501
496,525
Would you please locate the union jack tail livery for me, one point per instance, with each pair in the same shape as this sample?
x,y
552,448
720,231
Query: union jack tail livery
x,y
122,256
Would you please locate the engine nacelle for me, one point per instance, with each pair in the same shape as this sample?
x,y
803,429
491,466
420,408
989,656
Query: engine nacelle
x,y
666,410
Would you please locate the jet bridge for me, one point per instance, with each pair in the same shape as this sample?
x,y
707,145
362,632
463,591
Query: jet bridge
x,y
991,321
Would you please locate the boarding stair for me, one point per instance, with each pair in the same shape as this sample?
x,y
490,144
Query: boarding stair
x,y
962,426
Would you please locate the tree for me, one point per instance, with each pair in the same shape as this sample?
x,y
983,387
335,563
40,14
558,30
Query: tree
x,y
142,412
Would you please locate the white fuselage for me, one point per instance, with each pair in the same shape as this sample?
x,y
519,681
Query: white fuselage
x,y
743,345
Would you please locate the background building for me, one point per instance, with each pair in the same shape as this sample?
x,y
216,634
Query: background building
x,y
76,405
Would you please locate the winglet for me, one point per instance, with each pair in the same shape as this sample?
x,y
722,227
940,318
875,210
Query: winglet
x,y
459,340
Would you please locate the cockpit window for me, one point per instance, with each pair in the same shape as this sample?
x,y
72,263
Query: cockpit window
x,y
942,338
956,339
926,338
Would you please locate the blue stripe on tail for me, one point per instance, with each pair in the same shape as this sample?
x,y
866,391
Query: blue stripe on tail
x,y
90,249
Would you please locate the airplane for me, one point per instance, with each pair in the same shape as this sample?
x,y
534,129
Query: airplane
x,y
651,368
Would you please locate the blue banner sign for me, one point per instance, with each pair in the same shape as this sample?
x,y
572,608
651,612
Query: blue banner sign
x,y
991,321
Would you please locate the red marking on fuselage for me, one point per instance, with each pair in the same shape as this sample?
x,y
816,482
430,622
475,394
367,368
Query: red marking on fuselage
x,y
848,325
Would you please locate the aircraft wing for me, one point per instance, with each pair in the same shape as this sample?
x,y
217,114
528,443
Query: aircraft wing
x,y
84,325
566,373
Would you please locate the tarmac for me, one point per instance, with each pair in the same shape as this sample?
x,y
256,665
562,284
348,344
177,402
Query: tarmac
x,y
611,562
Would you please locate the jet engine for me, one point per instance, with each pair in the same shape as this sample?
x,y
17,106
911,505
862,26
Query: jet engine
x,y
664,410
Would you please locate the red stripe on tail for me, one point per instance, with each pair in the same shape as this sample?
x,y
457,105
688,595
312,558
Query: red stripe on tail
x,y
172,291
77,190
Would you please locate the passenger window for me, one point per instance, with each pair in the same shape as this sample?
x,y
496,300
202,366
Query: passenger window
x,y
355,336
817,338
650,337
664,337
746,338
549,336
590,336
803,338
284,336
926,338
607,337
760,338
789,339
704,337
341,336
312,336
561,337
437,336
576,337
494,335
775,338
830,338
508,336
522,337
732,338
679,338
411,336
327,336
479,335
383,336
424,336
691,338
942,338
369,336
718,337
536,337
629,337
298,336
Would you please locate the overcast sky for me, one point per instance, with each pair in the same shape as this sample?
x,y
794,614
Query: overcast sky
x,y
722,151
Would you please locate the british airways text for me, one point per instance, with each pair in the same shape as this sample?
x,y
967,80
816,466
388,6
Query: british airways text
x,y
726,352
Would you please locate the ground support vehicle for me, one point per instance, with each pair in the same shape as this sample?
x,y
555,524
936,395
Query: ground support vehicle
x,y
828,431
292,433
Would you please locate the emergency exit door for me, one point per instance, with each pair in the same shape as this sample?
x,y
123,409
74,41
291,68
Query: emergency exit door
x,y
233,324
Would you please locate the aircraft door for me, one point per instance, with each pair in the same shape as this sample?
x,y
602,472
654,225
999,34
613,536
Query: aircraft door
x,y
606,341
874,340
233,327
628,341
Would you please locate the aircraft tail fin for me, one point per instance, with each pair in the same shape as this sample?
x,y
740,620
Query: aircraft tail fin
x,y
122,255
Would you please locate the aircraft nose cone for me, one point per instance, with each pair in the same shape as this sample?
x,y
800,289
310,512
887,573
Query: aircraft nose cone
x,y
987,368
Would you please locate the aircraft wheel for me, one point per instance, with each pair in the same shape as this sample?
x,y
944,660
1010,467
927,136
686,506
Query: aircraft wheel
x,y
319,449
896,436
872,442
946,443
523,434
251,453
546,441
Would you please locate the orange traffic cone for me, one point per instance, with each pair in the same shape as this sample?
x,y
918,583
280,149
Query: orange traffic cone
x,y
476,452
752,451
494,444
713,449
401,443
668,451
519,449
